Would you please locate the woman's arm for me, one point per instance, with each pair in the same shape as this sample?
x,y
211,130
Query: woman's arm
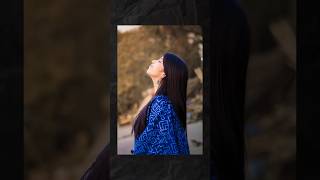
x,y
165,141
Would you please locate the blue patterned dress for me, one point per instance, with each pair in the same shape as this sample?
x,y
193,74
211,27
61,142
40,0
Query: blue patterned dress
x,y
164,134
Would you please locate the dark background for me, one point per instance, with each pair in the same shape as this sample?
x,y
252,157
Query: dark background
x,y
270,109
62,21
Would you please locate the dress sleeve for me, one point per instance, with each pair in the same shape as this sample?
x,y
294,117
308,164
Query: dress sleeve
x,y
159,135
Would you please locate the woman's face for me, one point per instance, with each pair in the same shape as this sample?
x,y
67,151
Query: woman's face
x,y
156,69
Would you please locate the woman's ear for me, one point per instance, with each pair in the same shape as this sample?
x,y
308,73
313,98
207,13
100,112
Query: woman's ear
x,y
163,75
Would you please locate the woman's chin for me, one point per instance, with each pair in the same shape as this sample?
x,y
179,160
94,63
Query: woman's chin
x,y
148,71
149,74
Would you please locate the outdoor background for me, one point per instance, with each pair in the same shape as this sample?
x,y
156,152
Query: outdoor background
x,y
137,46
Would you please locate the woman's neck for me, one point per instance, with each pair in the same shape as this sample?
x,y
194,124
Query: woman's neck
x,y
155,86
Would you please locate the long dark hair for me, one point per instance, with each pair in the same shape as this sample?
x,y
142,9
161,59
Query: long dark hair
x,y
174,86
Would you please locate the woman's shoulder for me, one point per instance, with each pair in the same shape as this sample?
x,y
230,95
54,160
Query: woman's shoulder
x,y
161,100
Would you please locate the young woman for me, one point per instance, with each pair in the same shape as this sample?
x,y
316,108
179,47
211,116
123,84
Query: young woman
x,y
160,127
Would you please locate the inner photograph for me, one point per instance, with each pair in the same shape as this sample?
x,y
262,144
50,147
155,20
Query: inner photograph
x,y
159,90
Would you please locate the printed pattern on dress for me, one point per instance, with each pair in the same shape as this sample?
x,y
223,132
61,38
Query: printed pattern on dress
x,y
163,134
